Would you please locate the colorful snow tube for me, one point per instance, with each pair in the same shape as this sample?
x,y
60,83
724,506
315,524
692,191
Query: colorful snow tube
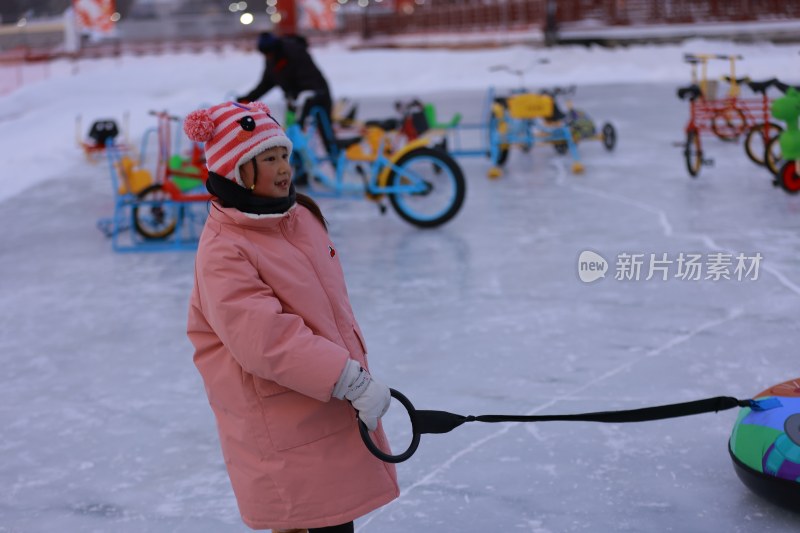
x,y
765,445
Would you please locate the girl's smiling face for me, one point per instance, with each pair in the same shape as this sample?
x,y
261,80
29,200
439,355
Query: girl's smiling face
x,y
270,171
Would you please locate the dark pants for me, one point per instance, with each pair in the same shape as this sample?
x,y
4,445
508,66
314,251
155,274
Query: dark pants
x,y
321,100
344,528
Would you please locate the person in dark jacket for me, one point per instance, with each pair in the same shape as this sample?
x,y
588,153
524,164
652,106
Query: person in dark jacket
x,y
289,65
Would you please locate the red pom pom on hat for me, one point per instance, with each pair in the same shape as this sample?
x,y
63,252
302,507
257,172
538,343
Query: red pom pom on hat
x,y
199,126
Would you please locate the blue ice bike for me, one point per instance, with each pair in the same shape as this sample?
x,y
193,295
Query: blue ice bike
x,y
424,185
525,119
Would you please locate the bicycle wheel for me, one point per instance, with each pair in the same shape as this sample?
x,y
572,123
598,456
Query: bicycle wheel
x,y
755,144
155,217
692,153
788,178
729,123
496,142
432,187
773,157
609,136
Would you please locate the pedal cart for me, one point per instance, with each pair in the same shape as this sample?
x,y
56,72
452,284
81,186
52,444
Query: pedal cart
x,y
524,119
161,206
727,118
180,181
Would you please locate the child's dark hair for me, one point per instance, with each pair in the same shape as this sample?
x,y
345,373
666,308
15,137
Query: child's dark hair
x,y
312,206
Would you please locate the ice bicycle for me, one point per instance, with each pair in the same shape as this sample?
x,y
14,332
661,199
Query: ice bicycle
x,y
524,118
728,117
156,209
424,184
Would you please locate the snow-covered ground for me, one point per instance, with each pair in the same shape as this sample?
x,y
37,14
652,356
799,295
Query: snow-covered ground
x,y
105,423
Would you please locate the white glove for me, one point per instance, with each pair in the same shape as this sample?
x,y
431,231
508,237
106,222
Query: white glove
x,y
369,397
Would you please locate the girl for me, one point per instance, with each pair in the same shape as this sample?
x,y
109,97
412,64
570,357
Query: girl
x,y
275,338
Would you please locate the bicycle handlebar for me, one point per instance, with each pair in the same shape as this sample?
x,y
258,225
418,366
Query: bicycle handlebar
x,y
164,114
498,68
728,79
761,86
695,58
783,87
517,71
561,91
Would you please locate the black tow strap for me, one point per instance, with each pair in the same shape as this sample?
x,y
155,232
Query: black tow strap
x,y
423,421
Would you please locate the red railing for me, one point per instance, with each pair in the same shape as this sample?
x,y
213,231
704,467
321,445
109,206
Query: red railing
x,y
501,15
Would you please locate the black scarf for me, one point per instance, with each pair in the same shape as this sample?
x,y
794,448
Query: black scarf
x,y
232,194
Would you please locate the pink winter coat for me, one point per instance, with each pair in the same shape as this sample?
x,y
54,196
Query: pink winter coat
x,y
272,328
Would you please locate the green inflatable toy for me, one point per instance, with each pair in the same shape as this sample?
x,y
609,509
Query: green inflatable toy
x,y
787,108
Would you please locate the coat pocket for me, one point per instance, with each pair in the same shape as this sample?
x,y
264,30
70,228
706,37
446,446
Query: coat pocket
x,y
360,338
293,419
266,388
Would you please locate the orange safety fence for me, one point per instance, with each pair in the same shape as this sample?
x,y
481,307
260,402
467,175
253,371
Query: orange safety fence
x,y
15,74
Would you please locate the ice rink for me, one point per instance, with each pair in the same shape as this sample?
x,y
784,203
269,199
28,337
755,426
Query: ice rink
x,y
106,426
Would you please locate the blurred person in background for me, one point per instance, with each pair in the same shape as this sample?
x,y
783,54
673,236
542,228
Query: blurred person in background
x,y
289,65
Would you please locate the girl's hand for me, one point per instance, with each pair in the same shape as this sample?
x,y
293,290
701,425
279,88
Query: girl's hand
x,y
369,397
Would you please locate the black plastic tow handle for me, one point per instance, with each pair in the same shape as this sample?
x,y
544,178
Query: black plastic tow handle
x,y
380,454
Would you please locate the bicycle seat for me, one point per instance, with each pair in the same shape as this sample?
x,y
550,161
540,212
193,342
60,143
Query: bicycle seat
x,y
102,130
557,114
559,91
388,124
760,86
692,92
347,142
738,80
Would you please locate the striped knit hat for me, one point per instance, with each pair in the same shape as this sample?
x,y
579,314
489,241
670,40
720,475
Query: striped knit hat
x,y
234,134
